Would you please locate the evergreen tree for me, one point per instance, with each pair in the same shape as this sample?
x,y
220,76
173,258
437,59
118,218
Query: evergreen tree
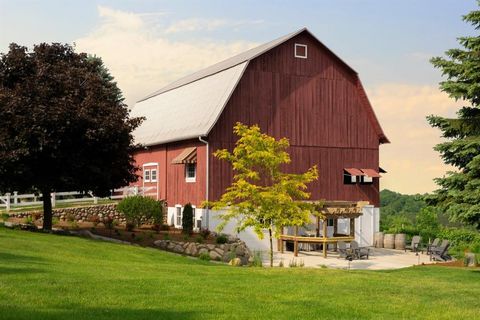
x,y
459,193
187,219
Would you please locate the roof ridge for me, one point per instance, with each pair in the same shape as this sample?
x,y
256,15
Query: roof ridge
x,y
226,63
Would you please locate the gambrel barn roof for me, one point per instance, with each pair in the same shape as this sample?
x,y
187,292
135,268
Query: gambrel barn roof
x,y
189,107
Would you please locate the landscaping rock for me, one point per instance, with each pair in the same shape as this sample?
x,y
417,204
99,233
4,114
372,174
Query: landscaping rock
x,y
214,255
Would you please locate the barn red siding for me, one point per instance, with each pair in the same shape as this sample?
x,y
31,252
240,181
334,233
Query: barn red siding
x,y
317,105
172,185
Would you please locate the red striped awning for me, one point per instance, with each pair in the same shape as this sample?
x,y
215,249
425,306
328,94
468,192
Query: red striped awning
x,y
188,155
371,173
354,171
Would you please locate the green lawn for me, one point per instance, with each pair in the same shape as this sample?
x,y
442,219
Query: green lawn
x,y
56,277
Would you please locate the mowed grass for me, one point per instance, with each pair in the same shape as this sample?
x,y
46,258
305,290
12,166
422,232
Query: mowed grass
x,y
57,277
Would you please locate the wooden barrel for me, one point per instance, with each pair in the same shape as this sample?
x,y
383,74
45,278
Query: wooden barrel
x,y
400,241
389,241
378,240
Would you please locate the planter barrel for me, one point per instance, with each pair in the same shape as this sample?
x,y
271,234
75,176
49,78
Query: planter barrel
x,y
400,241
389,241
378,240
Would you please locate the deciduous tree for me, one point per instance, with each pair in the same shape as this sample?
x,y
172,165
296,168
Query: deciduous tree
x,y
262,196
63,125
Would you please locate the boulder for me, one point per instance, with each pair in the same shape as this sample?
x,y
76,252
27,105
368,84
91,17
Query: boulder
x,y
214,255
240,250
202,251
178,249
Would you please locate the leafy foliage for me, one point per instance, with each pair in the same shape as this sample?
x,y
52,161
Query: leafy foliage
x,y
139,208
187,219
459,193
64,124
262,196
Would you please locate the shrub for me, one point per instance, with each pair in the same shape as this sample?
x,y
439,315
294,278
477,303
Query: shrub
x,y
157,216
28,220
221,239
138,208
5,216
74,225
204,256
187,219
55,221
166,237
205,233
199,239
257,259
280,264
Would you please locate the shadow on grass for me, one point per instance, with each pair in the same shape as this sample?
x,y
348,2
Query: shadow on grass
x,y
7,271
80,312
17,258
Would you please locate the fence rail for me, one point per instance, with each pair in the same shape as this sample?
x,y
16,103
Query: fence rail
x,y
13,200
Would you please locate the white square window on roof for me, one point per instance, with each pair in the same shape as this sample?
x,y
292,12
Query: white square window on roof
x,y
300,51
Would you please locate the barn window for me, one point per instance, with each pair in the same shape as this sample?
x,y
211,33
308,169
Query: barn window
x,y
153,175
190,172
146,175
349,179
300,51
178,215
367,180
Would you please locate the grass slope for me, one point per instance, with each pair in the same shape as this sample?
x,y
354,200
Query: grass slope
x,y
53,277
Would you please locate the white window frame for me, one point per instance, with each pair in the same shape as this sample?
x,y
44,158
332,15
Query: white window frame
x,y
151,175
297,45
187,178
367,179
177,215
146,172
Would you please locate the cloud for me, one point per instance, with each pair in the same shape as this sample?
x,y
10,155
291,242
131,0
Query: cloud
x,y
410,160
197,24
142,58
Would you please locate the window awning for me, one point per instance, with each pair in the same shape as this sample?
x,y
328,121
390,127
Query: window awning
x,y
188,155
354,171
371,173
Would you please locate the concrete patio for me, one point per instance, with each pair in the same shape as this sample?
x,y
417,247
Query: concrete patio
x,y
379,259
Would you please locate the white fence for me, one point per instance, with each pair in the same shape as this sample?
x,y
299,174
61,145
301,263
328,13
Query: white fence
x,y
12,200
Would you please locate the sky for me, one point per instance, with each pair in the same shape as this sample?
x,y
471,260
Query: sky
x,y
146,44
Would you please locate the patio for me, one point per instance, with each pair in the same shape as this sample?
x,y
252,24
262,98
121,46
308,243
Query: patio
x,y
379,259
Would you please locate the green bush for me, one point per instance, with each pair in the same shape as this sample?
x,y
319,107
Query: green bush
x,y
204,256
199,239
187,219
221,239
462,240
257,259
138,208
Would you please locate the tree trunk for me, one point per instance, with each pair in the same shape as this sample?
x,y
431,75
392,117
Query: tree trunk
x,y
47,210
271,246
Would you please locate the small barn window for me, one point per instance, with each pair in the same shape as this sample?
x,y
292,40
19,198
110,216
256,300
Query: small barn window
x,y
179,215
349,179
146,175
190,172
367,180
153,175
300,51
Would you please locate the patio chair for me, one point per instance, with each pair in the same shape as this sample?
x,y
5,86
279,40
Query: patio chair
x,y
360,252
414,245
433,245
343,251
441,252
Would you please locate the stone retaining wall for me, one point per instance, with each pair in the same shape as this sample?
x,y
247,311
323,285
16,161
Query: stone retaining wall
x,y
218,252
80,214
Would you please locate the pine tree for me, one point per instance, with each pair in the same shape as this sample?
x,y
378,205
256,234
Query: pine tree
x,y
459,193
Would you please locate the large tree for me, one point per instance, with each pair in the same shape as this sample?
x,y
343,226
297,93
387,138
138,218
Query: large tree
x,y
459,193
262,196
63,124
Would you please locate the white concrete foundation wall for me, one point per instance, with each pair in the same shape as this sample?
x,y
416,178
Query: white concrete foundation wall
x,y
173,221
365,227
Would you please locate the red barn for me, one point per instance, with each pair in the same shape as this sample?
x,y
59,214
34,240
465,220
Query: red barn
x,y
293,87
